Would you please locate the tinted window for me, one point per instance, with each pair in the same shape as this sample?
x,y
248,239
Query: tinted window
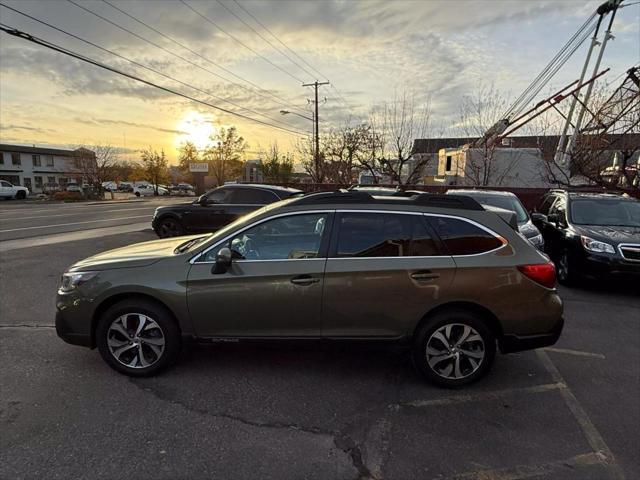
x,y
546,202
220,195
252,196
383,235
292,237
463,238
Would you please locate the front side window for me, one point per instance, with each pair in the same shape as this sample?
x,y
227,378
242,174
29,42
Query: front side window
x,y
383,235
252,196
545,204
5,184
282,238
221,195
463,238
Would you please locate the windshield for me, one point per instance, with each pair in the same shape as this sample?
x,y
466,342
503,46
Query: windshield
x,y
623,213
506,202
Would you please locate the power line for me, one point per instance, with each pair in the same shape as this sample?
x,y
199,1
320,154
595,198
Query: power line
x,y
25,36
141,65
239,41
245,10
152,43
278,99
265,39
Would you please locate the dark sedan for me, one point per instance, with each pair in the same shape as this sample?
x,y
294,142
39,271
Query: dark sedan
x,y
216,208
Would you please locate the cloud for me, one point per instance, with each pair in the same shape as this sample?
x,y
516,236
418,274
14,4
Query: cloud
x,y
107,121
27,128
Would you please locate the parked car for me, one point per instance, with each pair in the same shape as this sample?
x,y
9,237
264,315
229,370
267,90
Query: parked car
x,y
182,189
448,278
73,187
9,190
507,201
592,234
215,208
110,186
146,190
125,187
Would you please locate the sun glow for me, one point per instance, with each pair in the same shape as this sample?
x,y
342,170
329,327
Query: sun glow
x,y
196,128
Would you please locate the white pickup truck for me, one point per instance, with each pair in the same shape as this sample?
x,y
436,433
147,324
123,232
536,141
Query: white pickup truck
x,y
8,190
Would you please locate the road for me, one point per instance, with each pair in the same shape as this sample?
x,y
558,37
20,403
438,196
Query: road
x,y
325,412
29,219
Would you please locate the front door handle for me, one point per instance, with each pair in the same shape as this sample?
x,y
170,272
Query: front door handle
x,y
425,275
304,280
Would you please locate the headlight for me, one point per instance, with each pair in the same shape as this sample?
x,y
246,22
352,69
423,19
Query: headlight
x,y
72,280
595,246
536,239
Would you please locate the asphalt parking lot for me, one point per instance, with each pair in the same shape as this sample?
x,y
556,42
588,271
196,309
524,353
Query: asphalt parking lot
x,y
313,411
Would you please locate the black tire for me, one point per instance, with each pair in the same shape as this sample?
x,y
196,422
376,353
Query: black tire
x,y
167,331
21,195
565,269
170,227
435,368
137,194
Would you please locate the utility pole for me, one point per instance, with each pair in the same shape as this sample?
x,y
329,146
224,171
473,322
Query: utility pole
x,y
316,153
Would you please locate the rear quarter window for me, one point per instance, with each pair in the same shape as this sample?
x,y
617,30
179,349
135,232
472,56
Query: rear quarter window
x,y
461,237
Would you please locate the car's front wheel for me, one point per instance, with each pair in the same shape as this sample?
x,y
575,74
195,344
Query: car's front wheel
x,y
567,275
170,227
454,348
138,338
21,195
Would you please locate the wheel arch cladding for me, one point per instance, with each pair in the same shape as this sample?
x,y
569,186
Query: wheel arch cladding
x,y
484,313
110,301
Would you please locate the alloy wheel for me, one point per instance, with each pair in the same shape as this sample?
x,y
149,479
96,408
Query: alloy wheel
x,y
563,267
169,228
455,351
135,340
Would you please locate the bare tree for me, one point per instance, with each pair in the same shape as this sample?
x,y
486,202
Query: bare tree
x,y
94,165
478,113
187,153
396,125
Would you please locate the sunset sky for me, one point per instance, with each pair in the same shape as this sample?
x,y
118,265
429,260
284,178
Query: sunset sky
x,y
368,50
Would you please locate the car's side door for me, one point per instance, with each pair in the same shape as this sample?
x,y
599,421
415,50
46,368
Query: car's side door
x,y
274,285
384,272
209,213
556,227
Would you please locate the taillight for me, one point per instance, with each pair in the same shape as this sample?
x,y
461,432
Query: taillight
x,y
543,273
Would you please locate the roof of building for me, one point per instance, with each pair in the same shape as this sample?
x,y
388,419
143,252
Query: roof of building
x,y
4,147
546,143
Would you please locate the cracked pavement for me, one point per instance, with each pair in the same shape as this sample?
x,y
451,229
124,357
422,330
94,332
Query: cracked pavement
x,y
306,411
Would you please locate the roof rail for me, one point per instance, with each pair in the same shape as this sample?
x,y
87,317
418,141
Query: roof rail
x,y
428,199
447,201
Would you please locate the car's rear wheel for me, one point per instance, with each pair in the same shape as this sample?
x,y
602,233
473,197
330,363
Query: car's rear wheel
x,y
454,348
170,227
138,338
21,195
137,194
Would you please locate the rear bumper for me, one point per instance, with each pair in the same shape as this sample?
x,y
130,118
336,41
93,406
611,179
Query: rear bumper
x,y
518,343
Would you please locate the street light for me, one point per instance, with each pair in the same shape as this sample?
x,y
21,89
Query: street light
x,y
286,112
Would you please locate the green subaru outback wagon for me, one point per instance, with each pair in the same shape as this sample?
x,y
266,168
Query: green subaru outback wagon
x,y
453,281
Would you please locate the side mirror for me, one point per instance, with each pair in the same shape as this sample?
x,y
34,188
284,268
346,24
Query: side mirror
x,y
223,261
538,217
202,200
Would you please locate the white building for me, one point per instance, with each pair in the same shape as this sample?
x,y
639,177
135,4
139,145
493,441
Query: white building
x,y
38,168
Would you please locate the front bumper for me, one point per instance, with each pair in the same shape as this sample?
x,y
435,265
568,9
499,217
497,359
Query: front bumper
x,y
601,265
66,333
518,343
73,324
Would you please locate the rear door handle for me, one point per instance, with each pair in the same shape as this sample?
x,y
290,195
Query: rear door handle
x,y
304,280
425,275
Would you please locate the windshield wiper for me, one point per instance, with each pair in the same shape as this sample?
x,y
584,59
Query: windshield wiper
x,y
183,247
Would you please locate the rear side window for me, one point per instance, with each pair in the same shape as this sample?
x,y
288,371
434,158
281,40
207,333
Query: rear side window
x,y
253,196
463,238
383,235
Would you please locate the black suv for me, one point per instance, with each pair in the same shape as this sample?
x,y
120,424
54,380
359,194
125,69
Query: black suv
x,y
215,208
592,234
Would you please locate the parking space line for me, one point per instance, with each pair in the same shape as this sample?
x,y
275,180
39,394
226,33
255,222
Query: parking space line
x,y
483,396
589,430
578,353
522,472
76,213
